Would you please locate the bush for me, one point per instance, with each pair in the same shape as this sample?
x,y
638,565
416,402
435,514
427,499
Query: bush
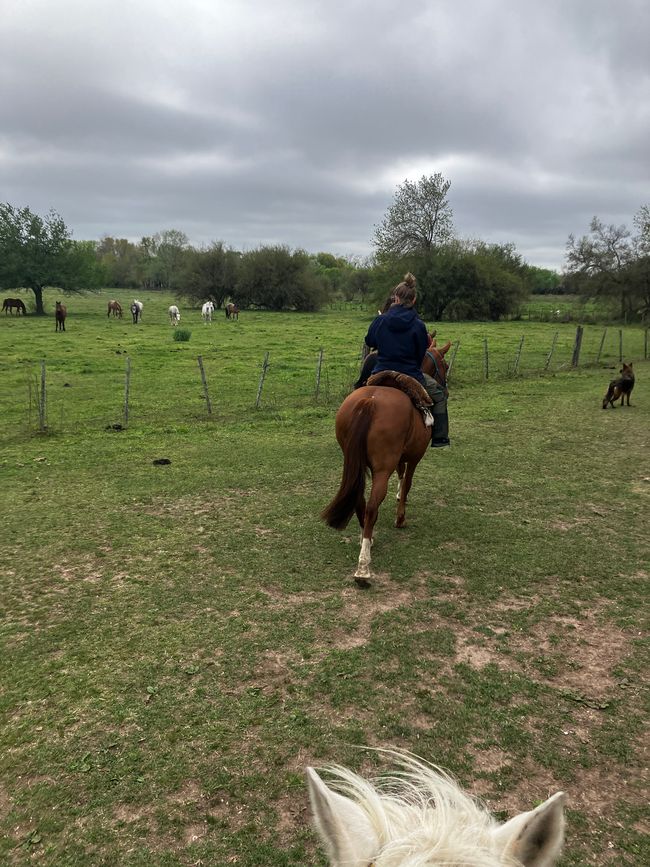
x,y
182,335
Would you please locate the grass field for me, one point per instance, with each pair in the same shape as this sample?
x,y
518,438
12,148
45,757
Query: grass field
x,y
180,641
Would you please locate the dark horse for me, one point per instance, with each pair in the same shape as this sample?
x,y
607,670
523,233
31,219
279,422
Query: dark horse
x,y
378,428
9,303
60,312
232,311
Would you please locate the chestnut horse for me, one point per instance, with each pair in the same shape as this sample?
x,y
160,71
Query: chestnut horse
x,y
379,429
115,308
232,311
9,303
60,312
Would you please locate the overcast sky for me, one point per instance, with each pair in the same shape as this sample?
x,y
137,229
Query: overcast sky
x,y
293,121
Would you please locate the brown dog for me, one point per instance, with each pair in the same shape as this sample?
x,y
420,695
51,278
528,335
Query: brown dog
x,y
620,387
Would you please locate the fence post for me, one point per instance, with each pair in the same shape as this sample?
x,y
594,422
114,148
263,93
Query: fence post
x,y
645,344
453,358
602,343
199,358
127,387
265,367
42,402
518,356
318,370
551,351
620,345
486,366
576,347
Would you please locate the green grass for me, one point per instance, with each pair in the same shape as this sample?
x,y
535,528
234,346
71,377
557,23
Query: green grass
x,y
180,641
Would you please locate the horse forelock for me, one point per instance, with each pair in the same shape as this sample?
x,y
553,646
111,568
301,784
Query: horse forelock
x,y
422,818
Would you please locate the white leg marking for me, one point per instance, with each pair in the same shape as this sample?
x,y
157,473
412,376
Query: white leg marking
x,y
363,569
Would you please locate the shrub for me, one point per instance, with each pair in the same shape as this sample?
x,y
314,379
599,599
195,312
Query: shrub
x,y
182,335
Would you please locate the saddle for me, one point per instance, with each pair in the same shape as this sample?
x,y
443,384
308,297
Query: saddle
x,y
411,388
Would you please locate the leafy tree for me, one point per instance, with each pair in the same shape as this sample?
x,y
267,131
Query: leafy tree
x,y
463,280
419,219
279,279
121,261
611,262
543,281
210,273
169,249
38,251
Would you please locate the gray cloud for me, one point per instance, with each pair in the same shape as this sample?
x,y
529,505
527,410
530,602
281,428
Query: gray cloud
x,y
293,122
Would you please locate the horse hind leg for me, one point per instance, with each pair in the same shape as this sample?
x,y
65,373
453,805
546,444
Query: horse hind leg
x,y
401,467
404,488
376,498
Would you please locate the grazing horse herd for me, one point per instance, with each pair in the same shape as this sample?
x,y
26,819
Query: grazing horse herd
x,y
115,310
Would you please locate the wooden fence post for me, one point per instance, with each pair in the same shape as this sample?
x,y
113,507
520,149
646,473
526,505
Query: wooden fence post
x,y
620,345
486,366
645,344
318,370
453,358
518,356
127,388
576,347
602,343
42,401
551,351
265,367
199,358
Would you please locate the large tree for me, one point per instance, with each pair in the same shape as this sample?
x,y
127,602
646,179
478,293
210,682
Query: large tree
x,y
612,262
279,279
210,273
419,219
39,251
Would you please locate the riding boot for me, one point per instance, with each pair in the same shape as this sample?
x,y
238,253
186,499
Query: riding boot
x,y
440,429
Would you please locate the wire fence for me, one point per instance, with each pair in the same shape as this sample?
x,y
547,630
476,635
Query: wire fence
x,y
131,390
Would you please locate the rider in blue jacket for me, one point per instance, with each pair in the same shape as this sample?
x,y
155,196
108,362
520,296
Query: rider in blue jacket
x,y
401,340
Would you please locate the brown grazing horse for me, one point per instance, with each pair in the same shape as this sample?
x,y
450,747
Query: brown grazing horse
x,y
60,312
379,429
232,311
115,308
10,303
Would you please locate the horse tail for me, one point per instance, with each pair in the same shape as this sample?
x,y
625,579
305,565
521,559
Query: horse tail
x,y
355,461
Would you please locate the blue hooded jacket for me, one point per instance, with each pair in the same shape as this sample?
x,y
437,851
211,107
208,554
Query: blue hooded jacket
x,y
401,338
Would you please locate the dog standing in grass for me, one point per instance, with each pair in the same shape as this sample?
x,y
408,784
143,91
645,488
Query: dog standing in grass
x,y
620,387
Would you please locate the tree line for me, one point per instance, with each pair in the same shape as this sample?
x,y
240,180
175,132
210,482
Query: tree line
x,y
457,279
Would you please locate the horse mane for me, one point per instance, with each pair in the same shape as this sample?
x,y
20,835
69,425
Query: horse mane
x,y
421,816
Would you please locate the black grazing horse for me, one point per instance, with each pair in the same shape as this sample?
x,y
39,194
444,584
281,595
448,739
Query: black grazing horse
x,y
10,303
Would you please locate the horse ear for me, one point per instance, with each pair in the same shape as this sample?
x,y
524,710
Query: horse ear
x,y
535,838
343,826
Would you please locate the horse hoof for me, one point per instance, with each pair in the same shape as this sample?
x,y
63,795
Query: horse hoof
x,y
362,583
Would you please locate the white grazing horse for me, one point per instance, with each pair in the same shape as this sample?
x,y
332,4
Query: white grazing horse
x,y
421,817
136,310
207,310
174,314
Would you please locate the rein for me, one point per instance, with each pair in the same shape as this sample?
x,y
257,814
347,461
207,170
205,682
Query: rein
x,y
439,367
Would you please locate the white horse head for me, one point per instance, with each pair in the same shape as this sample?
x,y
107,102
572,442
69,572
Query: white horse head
x,y
421,817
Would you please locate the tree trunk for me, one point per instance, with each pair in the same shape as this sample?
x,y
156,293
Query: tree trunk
x,y
38,294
